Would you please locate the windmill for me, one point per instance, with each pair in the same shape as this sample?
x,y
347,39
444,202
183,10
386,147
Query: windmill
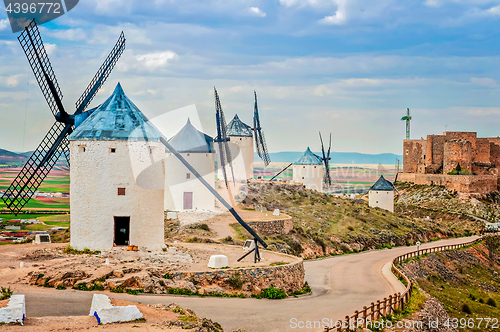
x,y
222,140
407,118
259,139
326,160
55,142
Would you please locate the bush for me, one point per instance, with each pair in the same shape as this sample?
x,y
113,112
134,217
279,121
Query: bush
x,y
350,228
465,308
235,281
491,302
71,250
134,291
168,276
117,289
306,289
271,293
83,287
5,293
60,286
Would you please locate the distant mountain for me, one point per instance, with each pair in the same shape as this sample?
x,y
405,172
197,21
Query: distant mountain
x,y
11,158
339,157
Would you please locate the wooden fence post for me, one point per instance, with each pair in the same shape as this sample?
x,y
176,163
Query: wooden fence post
x,y
385,306
378,310
364,316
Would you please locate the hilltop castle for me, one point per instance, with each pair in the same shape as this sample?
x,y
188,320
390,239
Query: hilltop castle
x,y
430,161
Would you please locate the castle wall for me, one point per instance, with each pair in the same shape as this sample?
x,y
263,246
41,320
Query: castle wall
x,y
472,184
97,173
457,151
414,151
434,154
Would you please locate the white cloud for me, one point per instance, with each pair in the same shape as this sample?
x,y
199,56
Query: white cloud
x,y
68,34
13,81
157,59
257,11
4,24
339,17
484,81
50,48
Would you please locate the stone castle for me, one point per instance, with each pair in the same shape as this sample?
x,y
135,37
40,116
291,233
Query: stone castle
x,y
429,162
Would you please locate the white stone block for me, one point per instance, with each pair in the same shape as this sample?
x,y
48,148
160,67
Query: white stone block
x,y
107,313
42,238
218,261
171,215
15,310
276,212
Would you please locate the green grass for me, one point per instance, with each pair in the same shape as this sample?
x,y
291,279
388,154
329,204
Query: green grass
x,y
34,204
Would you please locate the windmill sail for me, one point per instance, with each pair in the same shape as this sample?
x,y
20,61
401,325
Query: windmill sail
x,y
55,142
326,159
222,139
260,141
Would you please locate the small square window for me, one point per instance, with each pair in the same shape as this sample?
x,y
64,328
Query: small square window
x,y
188,175
112,150
82,148
302,178
121,191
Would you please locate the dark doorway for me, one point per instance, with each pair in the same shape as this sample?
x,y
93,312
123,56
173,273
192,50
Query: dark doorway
x,y
188,201
122,231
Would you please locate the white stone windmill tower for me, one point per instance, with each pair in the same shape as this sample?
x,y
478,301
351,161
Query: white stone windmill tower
x,y
183,191
308,170
241,135
117,178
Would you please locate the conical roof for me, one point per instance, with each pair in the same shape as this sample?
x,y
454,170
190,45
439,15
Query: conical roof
x,y
190,139
237,128
382,185
116,119
309,158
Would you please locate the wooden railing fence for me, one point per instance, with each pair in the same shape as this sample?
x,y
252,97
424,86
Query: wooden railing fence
x,y
397,301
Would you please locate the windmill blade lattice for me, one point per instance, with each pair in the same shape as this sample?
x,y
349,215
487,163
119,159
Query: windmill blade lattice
x,y
33,47
260,141
56,141
101,75
326,159
35,169
222,139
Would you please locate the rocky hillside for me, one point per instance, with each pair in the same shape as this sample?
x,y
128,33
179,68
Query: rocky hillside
x,y
465,281
438,198
328,225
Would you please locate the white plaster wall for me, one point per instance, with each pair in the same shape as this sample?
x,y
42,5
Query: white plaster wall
x,y
311,176
382,199
101,304
96,175
177,184
15,310
244,147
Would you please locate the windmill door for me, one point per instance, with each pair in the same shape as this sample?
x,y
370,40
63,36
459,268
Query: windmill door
x,y
188,200
122,231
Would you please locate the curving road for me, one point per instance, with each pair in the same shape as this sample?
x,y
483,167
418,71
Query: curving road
x,y
340,285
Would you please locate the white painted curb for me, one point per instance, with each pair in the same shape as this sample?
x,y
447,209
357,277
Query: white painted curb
x,y
106,313
15,310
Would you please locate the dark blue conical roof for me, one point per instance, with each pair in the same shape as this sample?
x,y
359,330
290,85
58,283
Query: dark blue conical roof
x,y
308,158
382,185
237,128
116,119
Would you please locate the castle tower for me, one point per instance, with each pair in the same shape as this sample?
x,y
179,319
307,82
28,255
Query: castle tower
x,y
381,195
241,135
308,170
117,177
183,191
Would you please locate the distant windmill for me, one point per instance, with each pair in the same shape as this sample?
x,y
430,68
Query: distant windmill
x,y
259,139
55,143
222,140
407,118
326,160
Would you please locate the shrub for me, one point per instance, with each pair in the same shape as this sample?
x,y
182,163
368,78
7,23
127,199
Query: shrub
x,y
168,276
235,281
134,291
491,302
117,289
271,293
350,228
5,293
481,301
465,308
60,286
306,289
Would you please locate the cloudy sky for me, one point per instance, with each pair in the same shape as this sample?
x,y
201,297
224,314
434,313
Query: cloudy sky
x,y
349,67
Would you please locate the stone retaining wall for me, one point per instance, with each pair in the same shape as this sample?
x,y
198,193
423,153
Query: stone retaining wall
x,y
282,226
288,277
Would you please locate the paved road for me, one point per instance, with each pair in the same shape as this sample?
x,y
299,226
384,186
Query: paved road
x,y
340,285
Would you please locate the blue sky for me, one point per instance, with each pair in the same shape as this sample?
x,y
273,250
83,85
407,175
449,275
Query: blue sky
x,y
346,67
